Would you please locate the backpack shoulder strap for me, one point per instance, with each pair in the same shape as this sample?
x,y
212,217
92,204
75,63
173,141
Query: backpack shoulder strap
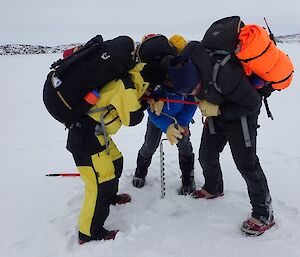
x,y
100,128
220,63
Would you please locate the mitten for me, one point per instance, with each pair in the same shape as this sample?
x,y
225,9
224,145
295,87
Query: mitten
x,y
208,109
174,133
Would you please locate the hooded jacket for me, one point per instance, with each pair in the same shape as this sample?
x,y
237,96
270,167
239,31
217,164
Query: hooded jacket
x,y
123,95
183,113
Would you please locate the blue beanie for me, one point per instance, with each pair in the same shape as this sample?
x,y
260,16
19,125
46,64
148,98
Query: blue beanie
x,y
183,74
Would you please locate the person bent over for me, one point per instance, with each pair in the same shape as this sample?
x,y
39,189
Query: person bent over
x,y
156,51
97,158
171,115
231,117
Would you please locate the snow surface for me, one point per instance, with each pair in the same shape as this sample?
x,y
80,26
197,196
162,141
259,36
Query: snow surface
x,y
39,214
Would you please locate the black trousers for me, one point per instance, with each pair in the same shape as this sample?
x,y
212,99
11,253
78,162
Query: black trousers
x,y
100,173
245,159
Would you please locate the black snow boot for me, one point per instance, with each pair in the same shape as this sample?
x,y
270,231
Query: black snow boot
x,y
141,171
187,168
188,184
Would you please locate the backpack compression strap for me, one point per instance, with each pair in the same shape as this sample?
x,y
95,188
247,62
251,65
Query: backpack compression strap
x,y
246,133
255,57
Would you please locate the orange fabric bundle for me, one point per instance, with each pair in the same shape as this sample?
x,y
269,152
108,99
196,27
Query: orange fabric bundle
x,y
260,55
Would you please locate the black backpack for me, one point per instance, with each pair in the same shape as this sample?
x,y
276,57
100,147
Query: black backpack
x,y
223,34
88,69
221,41
153,48
156,51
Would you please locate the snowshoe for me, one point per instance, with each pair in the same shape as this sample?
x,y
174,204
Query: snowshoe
x,y
188,183
138,182
187,189
110,236
121,199
252,228
201,193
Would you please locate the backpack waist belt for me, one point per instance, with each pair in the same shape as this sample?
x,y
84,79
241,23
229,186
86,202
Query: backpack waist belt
x,y
246,133
211,126
244,125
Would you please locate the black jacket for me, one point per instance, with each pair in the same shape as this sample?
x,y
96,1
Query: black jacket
x,y
238,97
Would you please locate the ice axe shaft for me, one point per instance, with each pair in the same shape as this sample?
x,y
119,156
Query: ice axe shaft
x,y
271,35
63,175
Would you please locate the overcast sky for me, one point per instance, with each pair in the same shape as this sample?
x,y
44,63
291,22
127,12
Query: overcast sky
x,y
64,21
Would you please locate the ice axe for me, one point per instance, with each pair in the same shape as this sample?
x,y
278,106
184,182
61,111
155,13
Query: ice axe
x,y
63,175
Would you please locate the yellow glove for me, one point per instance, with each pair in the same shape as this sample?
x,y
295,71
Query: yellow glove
x,y
151,104
156,106
173,133
208,109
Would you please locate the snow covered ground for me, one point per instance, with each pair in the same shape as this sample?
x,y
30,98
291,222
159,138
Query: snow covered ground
x,y
39,214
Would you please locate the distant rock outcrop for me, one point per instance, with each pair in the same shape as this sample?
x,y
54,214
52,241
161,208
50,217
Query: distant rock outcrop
x,y
12,49
295,38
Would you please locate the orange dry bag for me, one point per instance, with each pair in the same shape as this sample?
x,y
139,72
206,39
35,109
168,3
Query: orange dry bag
x,y
260,55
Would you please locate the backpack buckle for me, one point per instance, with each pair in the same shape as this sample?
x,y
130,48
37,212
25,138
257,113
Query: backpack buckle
x,y
56,82
99,130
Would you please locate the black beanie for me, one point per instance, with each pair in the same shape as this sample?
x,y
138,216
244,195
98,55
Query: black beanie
x,y
154,73
183,74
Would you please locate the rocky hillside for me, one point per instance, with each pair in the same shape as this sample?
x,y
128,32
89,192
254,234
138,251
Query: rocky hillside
x,y
12,49
295,38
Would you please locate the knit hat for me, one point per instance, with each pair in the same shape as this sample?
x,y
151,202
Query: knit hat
x,y
183,74
154,47
178,42
154,73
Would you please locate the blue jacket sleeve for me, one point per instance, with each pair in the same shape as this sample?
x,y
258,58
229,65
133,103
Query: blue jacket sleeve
x,y
186,114
162,122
